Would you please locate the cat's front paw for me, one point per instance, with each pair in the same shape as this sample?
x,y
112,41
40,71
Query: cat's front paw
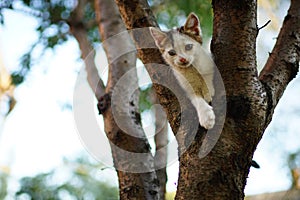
x,y
207,118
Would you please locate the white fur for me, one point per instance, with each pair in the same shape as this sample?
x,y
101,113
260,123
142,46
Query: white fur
x,y
205,112
195,57
199,59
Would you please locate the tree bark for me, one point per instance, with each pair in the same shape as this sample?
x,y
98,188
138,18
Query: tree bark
x,y
79,31
132,185
222,174
131,138
283,63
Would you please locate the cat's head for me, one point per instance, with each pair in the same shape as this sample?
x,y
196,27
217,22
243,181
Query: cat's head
x,y
178,47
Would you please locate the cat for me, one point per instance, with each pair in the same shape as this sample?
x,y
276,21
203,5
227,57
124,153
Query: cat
x,y
192,66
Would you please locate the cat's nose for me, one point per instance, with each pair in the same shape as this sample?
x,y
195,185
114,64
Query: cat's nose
x,y
183,60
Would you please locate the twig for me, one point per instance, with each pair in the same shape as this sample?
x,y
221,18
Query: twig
x,y
266,24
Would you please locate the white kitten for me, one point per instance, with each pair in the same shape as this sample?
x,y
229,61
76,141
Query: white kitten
x,y
192,66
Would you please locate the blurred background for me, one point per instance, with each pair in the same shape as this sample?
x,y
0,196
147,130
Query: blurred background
x,y
41,155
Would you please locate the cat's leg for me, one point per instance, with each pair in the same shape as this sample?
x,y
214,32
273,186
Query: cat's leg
x,y
205,112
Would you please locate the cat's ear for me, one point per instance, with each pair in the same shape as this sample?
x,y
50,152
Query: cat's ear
x,y
158,36
192,25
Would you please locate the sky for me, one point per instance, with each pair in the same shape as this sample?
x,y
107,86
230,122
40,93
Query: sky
x,y
40,131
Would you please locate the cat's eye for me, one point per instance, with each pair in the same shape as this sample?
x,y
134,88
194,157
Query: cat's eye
x,y
172,52
188,47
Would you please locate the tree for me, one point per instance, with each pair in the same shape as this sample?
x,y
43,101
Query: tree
x,y
251,98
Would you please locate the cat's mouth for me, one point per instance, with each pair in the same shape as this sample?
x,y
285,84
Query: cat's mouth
x,y
183,63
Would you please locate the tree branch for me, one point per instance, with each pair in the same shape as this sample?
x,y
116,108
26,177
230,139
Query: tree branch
x,y
263,26
79,31
283,63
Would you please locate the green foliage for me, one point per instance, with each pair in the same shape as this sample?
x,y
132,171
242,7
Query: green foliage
x,y
173,13
18,76
80,182
54,17
37,187
146,98
53,28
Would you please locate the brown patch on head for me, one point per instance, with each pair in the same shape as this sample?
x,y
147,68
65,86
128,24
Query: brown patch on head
x,y
194,35
192,28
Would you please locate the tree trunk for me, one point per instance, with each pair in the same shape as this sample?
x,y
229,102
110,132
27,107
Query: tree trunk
x,y
137,178
132,185
223,172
